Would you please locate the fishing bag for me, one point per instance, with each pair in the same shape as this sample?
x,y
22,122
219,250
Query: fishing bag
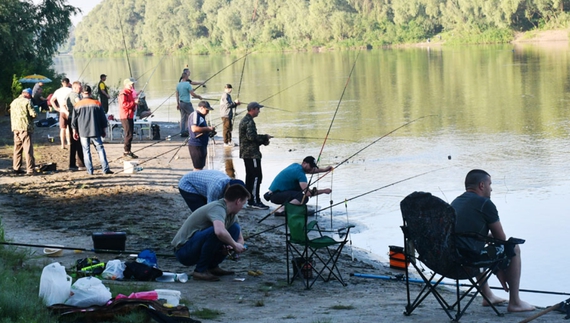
x,y
140,271
46,122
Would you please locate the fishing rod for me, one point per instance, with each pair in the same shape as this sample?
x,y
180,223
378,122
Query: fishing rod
x,y
317,138
330,127
262,101
232,63
400,277
151,74
265,106
244,61
258,233
111,251
337,107
370,144
382,187
79,77
168,98
125,44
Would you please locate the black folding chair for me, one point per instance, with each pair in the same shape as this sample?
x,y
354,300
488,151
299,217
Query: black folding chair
x,y
303,252
429,236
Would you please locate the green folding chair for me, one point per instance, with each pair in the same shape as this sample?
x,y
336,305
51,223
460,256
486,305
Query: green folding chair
x,y
308,258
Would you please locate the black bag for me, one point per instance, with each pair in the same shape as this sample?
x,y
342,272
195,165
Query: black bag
x,y
46,122
139,271
155,132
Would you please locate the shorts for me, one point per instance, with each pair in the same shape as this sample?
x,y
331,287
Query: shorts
x,y
62,121
198,155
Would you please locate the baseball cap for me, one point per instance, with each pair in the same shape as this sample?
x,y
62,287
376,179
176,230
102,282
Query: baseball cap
x,y
129,81
205,104
253,105
311,161
27,90
102,76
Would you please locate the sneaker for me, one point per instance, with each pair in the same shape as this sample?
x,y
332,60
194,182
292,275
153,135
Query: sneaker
x,y
267,196
19,171
258,206
109,172
130,155
206,276
228,145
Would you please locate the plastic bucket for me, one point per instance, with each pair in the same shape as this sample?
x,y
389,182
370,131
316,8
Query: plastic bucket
x,y
171,296
130,167
397,258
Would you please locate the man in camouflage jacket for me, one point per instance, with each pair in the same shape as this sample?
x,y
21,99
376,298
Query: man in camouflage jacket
x,y
21,115
249,151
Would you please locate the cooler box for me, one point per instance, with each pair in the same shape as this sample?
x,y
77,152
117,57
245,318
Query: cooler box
x,y
109,240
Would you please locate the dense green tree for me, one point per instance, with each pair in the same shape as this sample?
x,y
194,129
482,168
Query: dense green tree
x,y
29,36
204,26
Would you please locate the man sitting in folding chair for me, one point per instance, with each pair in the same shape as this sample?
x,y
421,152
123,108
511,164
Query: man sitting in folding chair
x,y
476,213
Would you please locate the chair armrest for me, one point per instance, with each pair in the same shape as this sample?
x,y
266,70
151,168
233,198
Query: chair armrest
x,y
480,237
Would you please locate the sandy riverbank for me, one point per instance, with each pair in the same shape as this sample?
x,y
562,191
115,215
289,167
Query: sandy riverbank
x,y
65,207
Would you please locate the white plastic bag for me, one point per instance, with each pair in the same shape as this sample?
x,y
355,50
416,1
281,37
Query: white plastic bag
x,y
55,284
88,291
114,270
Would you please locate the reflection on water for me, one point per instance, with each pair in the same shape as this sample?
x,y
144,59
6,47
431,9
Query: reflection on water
x,y
500,108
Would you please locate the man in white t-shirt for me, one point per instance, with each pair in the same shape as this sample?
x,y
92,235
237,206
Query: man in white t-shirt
x,y
60,96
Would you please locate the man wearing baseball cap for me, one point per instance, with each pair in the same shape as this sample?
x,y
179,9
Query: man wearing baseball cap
x,y
199,134
290,185
21,114
249,151
127,108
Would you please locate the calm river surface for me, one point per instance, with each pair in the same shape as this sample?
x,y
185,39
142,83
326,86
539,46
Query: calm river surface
x,y
500,108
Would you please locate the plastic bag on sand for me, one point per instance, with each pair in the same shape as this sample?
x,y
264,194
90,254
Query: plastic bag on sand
x,y
55,284
114,270
88,291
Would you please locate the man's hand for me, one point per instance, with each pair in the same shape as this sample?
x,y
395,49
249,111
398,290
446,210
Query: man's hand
x,y
329,168
75,135
237,102
239,248
103,134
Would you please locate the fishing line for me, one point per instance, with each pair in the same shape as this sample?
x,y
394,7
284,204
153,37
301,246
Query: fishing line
x,y
383,187
79,77
80,249
285,89
372,143
400,277
245,59
232,63
151,74
125,44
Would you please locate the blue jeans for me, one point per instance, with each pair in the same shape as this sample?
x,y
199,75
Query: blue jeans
x,y
203,249
86,145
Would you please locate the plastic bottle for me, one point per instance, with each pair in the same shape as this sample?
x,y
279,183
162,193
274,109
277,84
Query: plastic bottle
x,y
172,277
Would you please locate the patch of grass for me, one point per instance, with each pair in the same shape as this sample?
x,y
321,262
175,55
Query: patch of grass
x,y
207,314
289,317
259,303
342,307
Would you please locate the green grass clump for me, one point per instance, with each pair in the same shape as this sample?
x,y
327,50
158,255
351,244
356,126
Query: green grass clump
x,y
207,314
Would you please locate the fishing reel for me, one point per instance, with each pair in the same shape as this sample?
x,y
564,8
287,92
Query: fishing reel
x,y
212,133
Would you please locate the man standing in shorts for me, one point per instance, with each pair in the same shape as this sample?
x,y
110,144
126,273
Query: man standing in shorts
x,y
199,134
60,96
477,213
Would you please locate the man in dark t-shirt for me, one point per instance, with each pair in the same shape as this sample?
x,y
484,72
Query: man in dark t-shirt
x,y
477,213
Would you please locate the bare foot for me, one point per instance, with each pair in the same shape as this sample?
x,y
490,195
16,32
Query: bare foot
x,y
521,306
494,300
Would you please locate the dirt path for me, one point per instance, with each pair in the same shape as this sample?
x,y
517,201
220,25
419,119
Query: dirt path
x,y
66,207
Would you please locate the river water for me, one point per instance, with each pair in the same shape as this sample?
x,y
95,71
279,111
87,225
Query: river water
x,y
499,108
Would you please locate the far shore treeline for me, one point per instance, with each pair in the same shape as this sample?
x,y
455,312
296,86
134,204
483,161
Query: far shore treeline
x,y
30,34
217,26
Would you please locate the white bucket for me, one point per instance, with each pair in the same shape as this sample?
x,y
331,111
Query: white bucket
x,y
172,297
131,167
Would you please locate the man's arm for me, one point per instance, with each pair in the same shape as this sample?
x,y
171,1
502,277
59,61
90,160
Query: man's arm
x,y
225,237
52,103
194,95
321,170
497,231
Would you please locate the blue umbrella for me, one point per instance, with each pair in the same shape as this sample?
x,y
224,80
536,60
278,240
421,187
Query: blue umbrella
x,y
35,78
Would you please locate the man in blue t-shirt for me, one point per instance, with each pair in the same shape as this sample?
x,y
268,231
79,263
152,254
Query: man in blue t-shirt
x,y
476,213
290,185
199,133
184,92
